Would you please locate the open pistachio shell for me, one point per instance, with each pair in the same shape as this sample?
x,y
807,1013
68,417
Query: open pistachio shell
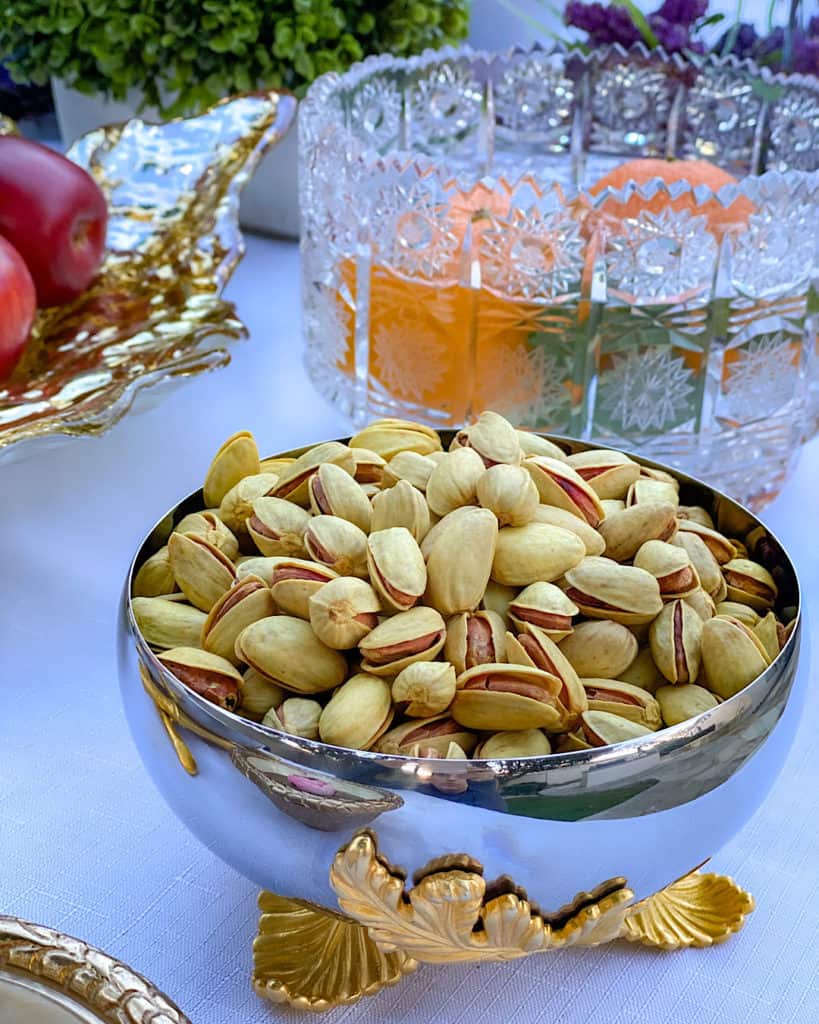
x,y
749,583
627,530
560,485
293,581
202,572
334,492
293,480
435,734
369,466
338,544
247,600
706,566
396,567
207,674
287,651
388,436
646,489
675,638
623,699
424,688
238,457
592,540
732,656
497,698
670,566
475,638
343,612
278,527
544,605
414,635
358,713
212,528
601,729
600,648
609,473
603,589
493,437
527,554
679,703
537,649
237,505
720,547
165,624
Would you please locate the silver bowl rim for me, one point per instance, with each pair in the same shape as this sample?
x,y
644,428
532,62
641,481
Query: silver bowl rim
x,y
665,739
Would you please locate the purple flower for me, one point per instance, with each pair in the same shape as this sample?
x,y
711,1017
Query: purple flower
x,y
744,43
670,36
681,12
806,55
605,25
813,26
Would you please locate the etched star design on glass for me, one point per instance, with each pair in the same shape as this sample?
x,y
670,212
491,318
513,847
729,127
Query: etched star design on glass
x,y
648,390
722,111
762,377
528,387
778,249
534,255
666,255
795,131
376,107
406,360
330,320
443,102
630,105
411,230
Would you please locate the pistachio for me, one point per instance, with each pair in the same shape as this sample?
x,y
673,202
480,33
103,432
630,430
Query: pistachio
x,y
166,624
436,733
256,565
670,566
626,531
740,551
453,482
520,743
609,473
749,583
211,528
647,473
569,742
592,541
396,567
601,728
544,605
460,561
492,437
768,632
334,492
560,485
278,527
424,688
287,651
440,527
706,566
415,635
675,639
510,493
338,544
238,457
358,713
401,505
343,612
299,716
293,480
155,576
202,572
535,444
600,648
679,703
602,589
697,514
410,466
643,672
720,547
276,464
387,437
293,581
368,465
475,638
623,699
497,598
207,674
644,490
612,505
535,552
702,603
732,656
237,505
734,610
497,698
259,695
247,600
535,648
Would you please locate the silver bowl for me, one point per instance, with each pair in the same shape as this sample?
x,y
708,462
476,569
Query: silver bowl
x,y
649,810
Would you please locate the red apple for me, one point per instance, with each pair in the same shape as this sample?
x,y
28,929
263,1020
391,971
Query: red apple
x,y
18,304
54,214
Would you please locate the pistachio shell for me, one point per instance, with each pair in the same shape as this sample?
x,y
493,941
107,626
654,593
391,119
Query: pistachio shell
x,y
626,531
732,656
526,554
238,457
643,672
338,544
720,547
475,638
675,638
396,567
602,589
497,598
497,698
679,703
560,485
276,464
521,743
206,674
609,473
592,540
334,492
460,561
644,490
600,648
237,505
670,566
434,734
544,605
343,612
612,505
358,713
706,566
601,729
278,527
401,505
369,466
387,437
211,528
537,649
510,493
697,514
300,716
287,651
535,444
623,699
410,466
492,437
424,688
166,624
247,600
415,635
438,529
767,630
155,576
293,581
259,694
293,480
749,583
257,565
202,572
453,482
702,603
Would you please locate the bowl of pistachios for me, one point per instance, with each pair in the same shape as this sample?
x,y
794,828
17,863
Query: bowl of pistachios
x,y
565,664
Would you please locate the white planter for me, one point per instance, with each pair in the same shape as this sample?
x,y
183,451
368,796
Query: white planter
x,y
270,200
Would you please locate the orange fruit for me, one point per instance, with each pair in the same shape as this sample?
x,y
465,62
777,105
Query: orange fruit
x,y
695,172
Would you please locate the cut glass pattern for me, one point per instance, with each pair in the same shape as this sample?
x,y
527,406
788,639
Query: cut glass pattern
x,y
795,132
330,322
762,378
376,107
629,109
527,385
407,360
779,248
412,231
646,391
534,255
534,101
444,103
721,115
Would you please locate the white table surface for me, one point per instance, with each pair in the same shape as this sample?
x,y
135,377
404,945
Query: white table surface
x,y
88,846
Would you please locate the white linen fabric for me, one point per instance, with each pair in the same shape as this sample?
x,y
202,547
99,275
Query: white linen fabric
x,y
88,846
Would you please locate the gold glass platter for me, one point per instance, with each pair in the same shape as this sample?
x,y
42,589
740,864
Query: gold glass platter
x,y
155,312
50,978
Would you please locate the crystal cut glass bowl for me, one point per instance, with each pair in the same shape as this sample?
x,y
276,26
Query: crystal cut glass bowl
x,y
454,258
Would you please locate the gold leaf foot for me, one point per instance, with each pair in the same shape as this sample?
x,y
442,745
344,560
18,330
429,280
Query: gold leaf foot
x,y
697,910
316,959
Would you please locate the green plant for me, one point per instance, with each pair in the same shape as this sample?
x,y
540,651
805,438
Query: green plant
x,y
182,55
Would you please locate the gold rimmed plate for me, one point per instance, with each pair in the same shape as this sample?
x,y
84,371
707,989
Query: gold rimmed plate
x,y
155,313
50,978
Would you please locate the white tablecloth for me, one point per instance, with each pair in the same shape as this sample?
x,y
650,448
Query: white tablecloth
x,y
88,846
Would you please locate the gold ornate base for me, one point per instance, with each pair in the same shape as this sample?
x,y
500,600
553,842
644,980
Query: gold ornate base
x,y
314,958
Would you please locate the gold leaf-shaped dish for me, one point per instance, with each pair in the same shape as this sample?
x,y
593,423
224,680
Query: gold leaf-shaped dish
x,y
155,312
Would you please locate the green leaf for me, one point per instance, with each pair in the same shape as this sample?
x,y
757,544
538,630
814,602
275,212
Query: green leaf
x,y
640,22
